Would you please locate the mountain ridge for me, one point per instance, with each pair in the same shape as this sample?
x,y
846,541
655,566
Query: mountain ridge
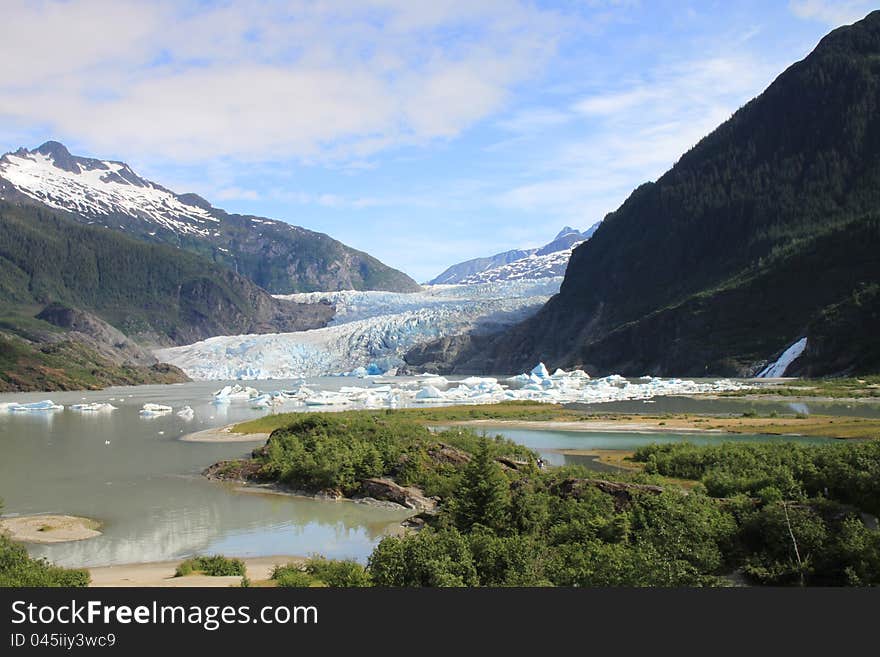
x,y
280,257
479,270
763,233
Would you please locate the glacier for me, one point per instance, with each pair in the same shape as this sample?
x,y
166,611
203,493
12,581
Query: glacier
x,y
369,329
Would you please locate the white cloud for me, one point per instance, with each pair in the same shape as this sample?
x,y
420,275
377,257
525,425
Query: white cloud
x,y
190,82
635,133
832,12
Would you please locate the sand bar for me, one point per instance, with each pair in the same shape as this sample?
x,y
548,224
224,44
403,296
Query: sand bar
x,y
223,435
49,528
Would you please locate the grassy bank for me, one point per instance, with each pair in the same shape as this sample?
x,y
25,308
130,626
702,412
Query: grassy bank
x,y
519,410
524,412
866,387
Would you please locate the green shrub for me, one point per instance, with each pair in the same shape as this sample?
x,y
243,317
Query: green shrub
x,y
349,574
213,566
292,576
17,569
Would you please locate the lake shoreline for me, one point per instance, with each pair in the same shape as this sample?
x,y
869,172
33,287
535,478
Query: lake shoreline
x,y
161,573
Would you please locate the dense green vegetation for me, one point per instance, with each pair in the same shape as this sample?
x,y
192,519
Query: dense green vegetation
x,y
781,514
319,451
512,410
767,228
149,290
319,571
837,388
212,566
18,569
848,473
285,259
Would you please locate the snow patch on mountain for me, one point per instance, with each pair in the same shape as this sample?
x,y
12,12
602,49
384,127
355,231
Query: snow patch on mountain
x,y
99,188
369,328
530,267
546,261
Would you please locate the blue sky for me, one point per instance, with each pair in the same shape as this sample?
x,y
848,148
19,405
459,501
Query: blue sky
x,y
425,133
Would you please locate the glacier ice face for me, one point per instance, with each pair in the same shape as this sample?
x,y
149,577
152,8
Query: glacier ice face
x,y
371,330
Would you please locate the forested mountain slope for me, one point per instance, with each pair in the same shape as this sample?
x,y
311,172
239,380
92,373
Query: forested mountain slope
x,y
153,292
765,232
278,256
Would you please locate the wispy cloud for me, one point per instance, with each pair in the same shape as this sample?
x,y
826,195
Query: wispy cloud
x,y
192,81
832,12
634,132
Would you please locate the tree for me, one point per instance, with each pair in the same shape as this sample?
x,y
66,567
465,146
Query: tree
x,y
483,496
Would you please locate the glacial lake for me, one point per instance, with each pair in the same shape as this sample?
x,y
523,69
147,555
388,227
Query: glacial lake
x,y
144,485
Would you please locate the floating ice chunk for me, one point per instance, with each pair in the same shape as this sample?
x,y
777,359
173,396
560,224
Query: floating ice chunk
x,y
152,410
559,374
236,392
96,407
429,394
479,381
540,370
186,413
519,378
45,405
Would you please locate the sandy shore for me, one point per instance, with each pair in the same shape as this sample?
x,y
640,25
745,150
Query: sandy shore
x,y
223,435
49,528
161,574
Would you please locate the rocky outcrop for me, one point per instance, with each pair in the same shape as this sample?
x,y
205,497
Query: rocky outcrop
x,y
411,497
106,340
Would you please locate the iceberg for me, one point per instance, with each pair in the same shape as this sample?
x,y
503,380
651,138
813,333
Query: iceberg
x,y
45,405
540,371
186,413
236,392
429,394
152,410
92,408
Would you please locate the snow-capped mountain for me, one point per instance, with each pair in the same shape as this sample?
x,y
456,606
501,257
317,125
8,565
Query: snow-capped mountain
x,y
546,261
100,188
531,267
278,256
369,328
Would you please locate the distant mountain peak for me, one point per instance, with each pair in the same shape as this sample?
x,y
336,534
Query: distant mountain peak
x,y
53,148
547,261
59,155
567,230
